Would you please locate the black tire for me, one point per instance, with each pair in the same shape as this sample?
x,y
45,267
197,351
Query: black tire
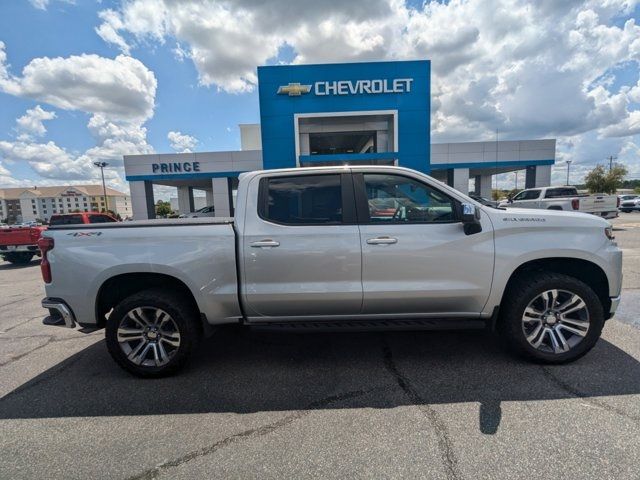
x,y
524,290
555,208
18,258
182,313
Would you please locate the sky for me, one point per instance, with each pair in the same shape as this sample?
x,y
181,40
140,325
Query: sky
x,y
89,80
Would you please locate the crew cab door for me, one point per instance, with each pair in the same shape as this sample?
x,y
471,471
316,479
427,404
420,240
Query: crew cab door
x,y
416,257
301,248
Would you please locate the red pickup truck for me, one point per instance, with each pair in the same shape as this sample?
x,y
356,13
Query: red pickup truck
x,y
19,244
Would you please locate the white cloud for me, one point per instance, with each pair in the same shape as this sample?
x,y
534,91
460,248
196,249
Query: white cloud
x,y
119,95
30,124
122,88
40,4
181,142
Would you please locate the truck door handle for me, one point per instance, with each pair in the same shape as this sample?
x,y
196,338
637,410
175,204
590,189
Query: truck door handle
x,y
267,242
382,241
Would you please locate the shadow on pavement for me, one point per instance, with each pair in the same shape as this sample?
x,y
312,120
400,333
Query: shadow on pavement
x,y
4,265
245,371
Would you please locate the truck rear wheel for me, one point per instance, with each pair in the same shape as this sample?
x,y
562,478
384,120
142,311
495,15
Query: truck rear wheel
x,y
550,317
153,333
19,258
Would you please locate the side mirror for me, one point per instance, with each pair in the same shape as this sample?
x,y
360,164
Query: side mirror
x,y
470,217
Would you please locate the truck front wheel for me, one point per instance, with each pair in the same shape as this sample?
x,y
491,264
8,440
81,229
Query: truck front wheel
x,y
550,317
152,333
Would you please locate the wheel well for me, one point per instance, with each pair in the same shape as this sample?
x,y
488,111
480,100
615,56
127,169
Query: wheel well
x,y
117,288
583,270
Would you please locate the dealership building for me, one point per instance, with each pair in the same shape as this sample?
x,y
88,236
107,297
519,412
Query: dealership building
x,y
337,114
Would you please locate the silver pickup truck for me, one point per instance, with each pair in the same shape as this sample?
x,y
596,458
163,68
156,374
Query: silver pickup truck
x,y
353,247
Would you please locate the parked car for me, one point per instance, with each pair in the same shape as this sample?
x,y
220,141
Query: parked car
x,y
307,250
626,197
19,244
564,198
484,201
630,205
209,211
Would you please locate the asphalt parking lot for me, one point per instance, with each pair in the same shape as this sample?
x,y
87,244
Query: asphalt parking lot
x,y
271,405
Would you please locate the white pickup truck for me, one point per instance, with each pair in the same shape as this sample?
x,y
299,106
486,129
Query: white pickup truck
x,y
353,247
565,198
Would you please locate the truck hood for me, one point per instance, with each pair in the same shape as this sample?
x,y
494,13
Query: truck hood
x,y
529,217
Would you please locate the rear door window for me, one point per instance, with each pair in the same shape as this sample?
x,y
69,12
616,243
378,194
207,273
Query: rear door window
x,y
100,219
65,220
560,192
302,199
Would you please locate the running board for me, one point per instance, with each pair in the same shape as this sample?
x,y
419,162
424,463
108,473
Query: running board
x,y
371,325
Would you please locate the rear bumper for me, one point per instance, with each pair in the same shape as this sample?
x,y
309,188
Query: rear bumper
x,y
60,314
615,301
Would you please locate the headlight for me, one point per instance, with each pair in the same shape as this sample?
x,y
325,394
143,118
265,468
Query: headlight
x,y
608,231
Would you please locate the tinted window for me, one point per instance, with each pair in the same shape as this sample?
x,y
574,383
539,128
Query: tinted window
x,y
65,220
100,219
304,199
397,199
527,195
560,192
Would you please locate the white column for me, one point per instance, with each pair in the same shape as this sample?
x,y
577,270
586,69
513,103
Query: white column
x,y
185,200
209,197
142,204
483,186
543,176
461,180
221,196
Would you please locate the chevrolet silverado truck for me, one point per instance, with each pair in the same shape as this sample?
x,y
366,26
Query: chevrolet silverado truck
x,y
361,247
565,198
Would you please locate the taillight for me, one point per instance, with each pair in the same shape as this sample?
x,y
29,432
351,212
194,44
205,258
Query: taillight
x,y
575,203
45,244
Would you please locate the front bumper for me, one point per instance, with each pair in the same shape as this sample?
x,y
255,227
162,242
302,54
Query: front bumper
x,y
60,314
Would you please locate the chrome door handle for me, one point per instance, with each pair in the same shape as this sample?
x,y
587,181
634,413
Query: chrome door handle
x,y
382,241
265,243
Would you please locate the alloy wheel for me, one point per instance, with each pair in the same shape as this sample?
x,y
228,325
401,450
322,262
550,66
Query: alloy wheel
x,y
148,336
555,321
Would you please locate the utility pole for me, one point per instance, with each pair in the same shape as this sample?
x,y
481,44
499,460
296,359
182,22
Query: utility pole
x,y
101,165
516,179
568,167
611,159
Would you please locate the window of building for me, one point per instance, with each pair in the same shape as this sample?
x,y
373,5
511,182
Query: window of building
x,y
302,199
342,142
399,199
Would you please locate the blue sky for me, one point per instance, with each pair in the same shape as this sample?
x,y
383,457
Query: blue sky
x,y
189,67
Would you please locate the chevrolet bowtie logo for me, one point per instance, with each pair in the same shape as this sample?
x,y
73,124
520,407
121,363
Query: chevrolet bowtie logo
x,y
294,89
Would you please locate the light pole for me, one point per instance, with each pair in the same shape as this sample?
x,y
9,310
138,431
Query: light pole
x,y
568,167
101,165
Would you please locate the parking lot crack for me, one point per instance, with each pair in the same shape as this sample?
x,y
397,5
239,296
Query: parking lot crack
x,y
584,396
250,433
445,444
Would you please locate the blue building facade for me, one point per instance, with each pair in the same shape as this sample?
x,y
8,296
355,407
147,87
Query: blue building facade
x,y
346,99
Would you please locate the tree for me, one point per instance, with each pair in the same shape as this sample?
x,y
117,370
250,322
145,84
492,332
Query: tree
x,y
163,208
600,181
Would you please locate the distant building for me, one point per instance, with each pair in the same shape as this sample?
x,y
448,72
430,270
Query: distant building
x,y
25,204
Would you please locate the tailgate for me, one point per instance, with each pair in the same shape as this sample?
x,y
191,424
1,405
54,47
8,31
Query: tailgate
x,y
598,203
19,236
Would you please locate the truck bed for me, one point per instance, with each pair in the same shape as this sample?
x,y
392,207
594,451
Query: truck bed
x,y
168,222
